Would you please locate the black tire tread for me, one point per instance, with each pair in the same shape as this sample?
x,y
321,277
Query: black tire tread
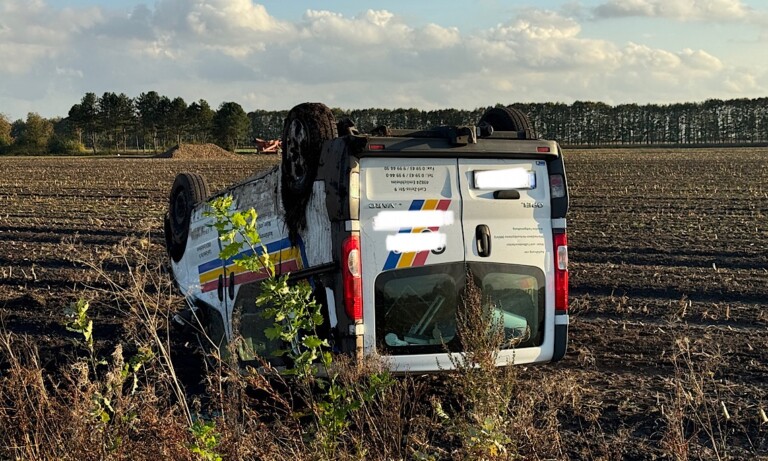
x,y
196,189
509,119
321,124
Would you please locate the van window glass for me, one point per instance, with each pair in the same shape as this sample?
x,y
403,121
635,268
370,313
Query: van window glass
x,y
516,295
416,307
253,341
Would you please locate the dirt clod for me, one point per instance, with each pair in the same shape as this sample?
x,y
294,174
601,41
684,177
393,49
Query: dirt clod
x,y
196,152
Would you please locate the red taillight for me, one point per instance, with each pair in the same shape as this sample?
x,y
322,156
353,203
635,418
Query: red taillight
x,y
351,277
542,149
376,147
561,272
557,185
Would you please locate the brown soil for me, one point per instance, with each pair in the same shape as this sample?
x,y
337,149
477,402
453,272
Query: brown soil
x,y
197,152
665,248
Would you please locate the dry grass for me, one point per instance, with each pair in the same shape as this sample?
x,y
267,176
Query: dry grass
x,y
89,408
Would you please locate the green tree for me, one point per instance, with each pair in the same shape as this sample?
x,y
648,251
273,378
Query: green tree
x,y
5,132
148,107
36,134
84,116
230,125
200,119
115,115
177,119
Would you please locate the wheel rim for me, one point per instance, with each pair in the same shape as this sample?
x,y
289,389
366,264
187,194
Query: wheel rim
x,y
179,209
297,137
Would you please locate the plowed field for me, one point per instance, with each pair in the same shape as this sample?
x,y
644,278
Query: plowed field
x,y
669,283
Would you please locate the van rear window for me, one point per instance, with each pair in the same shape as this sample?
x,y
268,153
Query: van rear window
x,y
416,307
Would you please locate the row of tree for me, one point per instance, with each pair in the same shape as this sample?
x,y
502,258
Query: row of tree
x,y
736,121
152,122
115,122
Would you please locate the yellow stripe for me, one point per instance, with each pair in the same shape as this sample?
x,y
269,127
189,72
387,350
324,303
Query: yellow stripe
x,y
285,255
430,205
406,259
211,275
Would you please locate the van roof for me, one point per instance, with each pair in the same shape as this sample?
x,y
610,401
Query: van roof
x,y
454,141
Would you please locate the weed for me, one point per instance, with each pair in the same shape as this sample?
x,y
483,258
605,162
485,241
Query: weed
x,y
485,389
206,440
695,414
80,323
296,317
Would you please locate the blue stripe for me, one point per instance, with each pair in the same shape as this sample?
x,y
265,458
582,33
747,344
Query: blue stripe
x,y
392,260
416,205
271,248
209,266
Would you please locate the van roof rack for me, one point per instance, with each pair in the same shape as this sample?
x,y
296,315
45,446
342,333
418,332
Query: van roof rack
x,y
460,135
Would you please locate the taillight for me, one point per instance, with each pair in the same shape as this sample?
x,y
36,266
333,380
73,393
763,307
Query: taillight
x,y
561,272
557,185
351,277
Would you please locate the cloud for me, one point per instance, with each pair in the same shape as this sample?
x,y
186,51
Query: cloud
x,y
30,32
700,60
543,39
237,51
683,10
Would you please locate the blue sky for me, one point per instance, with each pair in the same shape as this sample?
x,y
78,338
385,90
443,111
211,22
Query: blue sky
x,y
425,54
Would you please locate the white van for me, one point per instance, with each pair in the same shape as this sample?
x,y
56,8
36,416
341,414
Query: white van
x,y
386,226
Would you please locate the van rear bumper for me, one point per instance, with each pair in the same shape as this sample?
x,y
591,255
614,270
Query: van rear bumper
x,y
432,363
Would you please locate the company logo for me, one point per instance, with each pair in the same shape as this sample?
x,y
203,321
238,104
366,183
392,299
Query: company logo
x,y
533,205
380,206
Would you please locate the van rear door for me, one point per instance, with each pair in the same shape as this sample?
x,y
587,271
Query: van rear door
x,y
506,220
412,254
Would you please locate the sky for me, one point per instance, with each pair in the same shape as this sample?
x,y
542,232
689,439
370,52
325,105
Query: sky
x,y
424,54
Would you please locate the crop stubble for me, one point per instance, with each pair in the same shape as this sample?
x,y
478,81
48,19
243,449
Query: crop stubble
x,y
664,245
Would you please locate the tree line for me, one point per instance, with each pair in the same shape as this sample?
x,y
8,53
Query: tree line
x,y
152,122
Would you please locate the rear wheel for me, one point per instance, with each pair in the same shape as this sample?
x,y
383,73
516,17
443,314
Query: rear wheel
x,y
306,128
508,119
188,190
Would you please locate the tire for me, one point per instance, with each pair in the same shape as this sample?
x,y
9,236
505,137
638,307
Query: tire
x,y
188,190
306,128
174,251
508,119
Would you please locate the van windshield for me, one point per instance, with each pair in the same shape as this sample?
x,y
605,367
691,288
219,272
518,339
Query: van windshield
x,y
416,307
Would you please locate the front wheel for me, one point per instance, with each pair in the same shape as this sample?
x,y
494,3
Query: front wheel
x,y
188,190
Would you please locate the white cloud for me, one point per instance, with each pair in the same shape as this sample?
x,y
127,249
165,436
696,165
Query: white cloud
x,y
543,40
237,51
65,72
31,32
742,81
700,59
684,10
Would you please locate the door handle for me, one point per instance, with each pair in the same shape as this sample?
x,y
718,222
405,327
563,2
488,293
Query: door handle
x,y
483,240
231,289
220,288
510,194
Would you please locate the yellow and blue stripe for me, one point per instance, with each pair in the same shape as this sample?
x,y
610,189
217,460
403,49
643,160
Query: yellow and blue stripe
x,y
287,258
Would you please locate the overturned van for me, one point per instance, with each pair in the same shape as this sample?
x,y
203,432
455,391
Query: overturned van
x,y
388,227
